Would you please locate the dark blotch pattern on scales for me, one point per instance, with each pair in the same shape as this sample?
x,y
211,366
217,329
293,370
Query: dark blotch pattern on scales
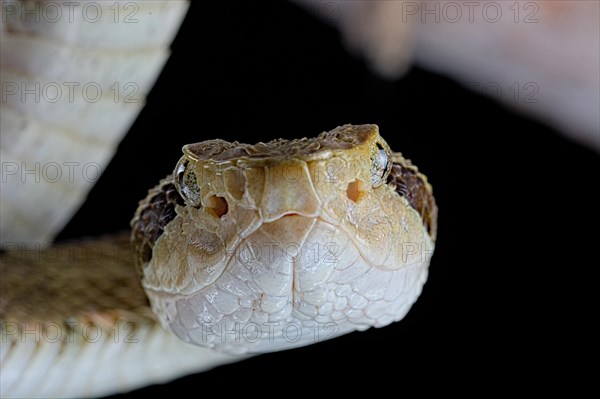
x,y
153,214
412,185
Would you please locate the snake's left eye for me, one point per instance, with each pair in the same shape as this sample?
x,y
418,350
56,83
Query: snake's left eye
x,y
186,183
380,164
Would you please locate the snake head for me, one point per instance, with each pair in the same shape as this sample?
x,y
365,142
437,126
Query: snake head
x,y
275,245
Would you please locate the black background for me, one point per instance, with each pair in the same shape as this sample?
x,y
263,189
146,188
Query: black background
x,y
515,201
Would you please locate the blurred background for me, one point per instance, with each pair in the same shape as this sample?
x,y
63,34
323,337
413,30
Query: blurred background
x,y
518,214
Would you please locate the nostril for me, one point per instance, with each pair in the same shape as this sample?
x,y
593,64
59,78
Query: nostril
x,y
356,190
290,214
218,205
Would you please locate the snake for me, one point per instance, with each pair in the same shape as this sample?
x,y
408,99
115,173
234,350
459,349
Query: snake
x,y
243,249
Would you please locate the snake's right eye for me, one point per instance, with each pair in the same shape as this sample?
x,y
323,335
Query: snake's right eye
x,y
186,182
381,163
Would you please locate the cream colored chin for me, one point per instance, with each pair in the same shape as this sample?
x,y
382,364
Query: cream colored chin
x,y
292,286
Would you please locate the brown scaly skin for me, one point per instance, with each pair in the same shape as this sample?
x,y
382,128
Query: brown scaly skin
x,y
413,186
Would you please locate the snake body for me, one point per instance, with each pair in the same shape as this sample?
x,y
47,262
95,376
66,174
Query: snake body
x,y
65,67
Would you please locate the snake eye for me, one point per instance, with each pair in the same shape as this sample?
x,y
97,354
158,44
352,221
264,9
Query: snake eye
x,y
187,183
380,164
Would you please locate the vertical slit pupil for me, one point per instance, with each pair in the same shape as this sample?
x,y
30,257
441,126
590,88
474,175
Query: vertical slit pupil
x,y
379,165
180,173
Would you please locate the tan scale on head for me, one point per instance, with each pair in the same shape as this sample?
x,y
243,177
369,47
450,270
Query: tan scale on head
x,y
253,248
